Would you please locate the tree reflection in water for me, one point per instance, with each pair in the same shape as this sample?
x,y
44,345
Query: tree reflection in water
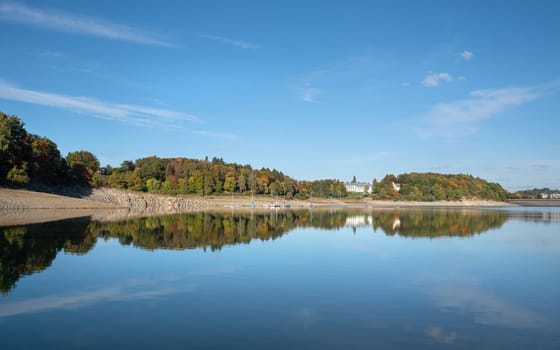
x,y
28,249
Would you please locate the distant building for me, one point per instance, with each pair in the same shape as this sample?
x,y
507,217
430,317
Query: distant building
x,y
550,196
358,187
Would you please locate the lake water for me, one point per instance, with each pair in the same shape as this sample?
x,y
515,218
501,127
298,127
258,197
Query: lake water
x,y
389,279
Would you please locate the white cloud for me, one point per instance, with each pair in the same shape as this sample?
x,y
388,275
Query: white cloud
x,y
466,55
309,94
134,114
482,104
433,80
239,43
125,292
484,308
464,295
462,116
67,22
438,334
359,71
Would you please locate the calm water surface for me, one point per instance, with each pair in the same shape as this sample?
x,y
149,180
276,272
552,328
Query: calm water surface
x,y
449,279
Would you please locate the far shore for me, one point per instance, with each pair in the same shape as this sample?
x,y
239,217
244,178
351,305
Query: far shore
x,y
19,207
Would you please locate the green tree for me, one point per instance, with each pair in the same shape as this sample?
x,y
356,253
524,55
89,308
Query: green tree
x,y
196,183
229,184
153,185
208,184
83,165
14,146
47,165
18,176
374,186
241,182
151,167
168,187
274,188
127,165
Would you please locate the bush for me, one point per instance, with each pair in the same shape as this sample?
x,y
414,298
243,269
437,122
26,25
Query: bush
x,y
18,176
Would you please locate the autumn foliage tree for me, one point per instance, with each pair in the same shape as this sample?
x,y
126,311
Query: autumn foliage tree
x,y
206,177
31,159
26,157
83,166
433,186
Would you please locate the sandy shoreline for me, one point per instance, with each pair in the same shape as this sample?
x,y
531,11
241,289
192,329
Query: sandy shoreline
x,y
19,207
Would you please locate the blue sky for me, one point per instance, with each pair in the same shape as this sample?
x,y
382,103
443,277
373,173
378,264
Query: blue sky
x,y
322,89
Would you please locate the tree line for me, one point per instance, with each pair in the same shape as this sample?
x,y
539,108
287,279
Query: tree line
x,y
30,249
207,177
26,157
433,186
535,193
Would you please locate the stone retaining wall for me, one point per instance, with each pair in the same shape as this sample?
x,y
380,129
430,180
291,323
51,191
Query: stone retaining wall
x,y
141,201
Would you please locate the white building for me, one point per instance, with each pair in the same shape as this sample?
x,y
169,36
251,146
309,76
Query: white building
x,y
358,221
550,196
358,187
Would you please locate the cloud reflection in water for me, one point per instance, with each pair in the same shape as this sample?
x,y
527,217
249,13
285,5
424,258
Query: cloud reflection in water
x,y
131,290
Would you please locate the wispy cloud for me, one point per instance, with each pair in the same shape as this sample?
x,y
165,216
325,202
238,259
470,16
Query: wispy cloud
x,y
216,134
127,113
462,116
439,335
466,55
356,71
545,164
484,104
125,292
234,42
50,54
355,66
95,70
463,294
485,308
72,23
433,80
309,94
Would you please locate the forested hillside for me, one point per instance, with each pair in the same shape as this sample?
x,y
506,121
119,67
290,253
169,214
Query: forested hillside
x,y
433,186
25,157
205,177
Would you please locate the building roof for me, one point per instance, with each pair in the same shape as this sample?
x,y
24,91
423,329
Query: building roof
x,y
357,184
